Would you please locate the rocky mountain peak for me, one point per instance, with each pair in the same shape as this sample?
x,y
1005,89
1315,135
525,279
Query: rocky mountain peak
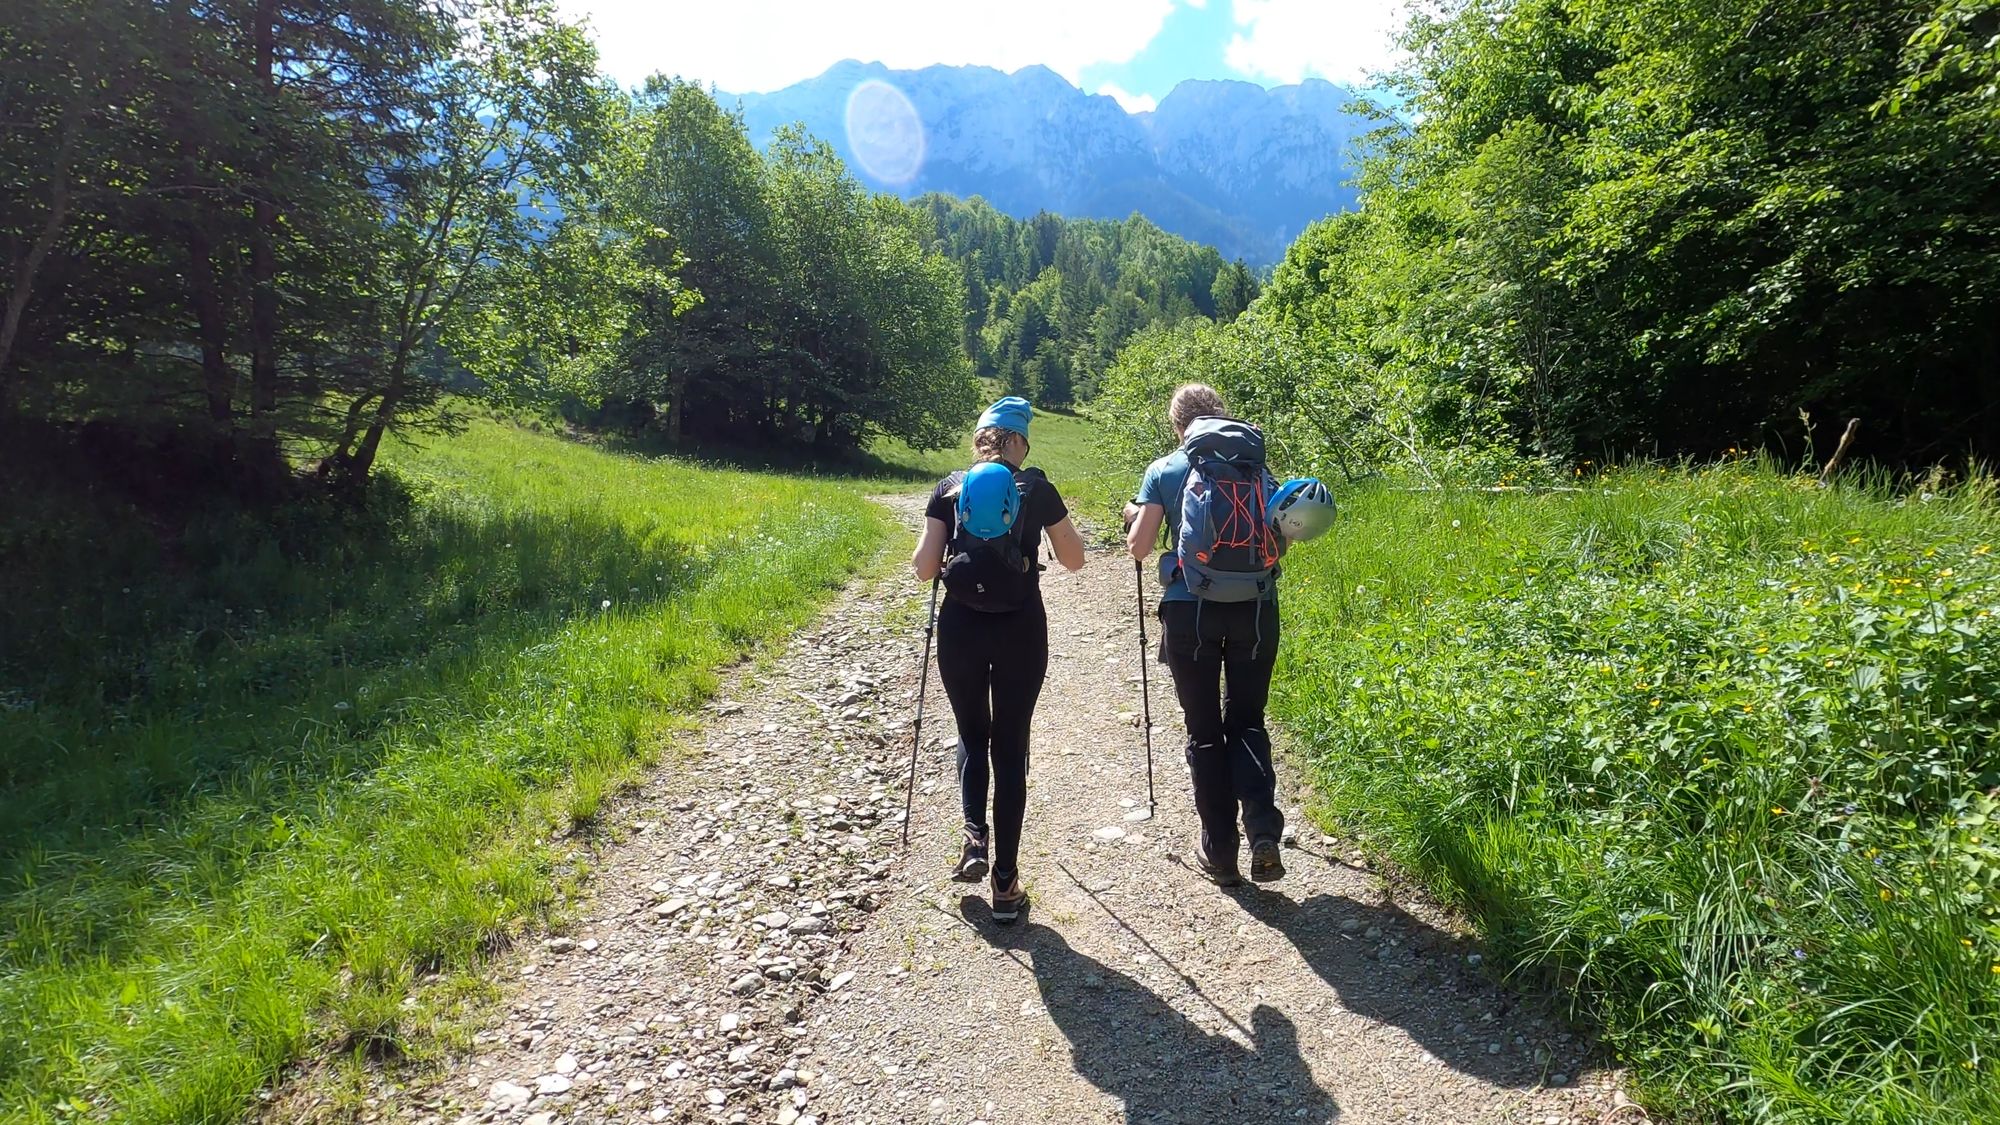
x,y
1225,162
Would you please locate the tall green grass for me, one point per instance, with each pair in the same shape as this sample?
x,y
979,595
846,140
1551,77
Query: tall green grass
x,y
258,777
1714,752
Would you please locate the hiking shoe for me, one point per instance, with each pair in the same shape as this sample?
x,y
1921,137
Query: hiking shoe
x,y
971,858
1216,873
1267,865
1009,899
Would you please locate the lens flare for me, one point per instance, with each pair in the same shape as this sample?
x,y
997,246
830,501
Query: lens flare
x,y
884,132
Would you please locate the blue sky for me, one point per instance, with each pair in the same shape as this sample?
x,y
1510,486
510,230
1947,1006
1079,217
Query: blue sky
x,y
1272,44
1134,50
1192,43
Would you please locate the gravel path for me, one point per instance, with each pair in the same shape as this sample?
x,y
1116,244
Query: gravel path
x,y
757,949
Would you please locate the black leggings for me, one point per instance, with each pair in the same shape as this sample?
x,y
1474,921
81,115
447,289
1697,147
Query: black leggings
x,y
1228,750
992,665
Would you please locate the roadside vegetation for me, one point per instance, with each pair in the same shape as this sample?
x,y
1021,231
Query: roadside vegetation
x,y
1696,743
259,777
1711,752
295,710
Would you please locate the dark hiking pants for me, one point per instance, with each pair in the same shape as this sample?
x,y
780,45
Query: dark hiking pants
x,y
992,665
1221,655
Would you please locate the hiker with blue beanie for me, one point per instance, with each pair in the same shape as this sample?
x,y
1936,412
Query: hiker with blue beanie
x,y
981,541
1228,520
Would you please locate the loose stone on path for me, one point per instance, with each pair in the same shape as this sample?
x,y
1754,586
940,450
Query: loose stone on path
x,y
759,948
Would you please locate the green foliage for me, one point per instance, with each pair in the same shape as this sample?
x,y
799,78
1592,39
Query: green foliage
x,y
252,226
1710,751
510,122
813,314
258,779
1316,421
332,220
1661,229
1051,300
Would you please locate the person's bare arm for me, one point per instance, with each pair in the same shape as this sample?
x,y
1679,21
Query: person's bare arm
x,y
1066,544
929,557
1145,530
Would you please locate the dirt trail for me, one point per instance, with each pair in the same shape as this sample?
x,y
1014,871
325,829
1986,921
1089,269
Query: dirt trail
x,y
757,950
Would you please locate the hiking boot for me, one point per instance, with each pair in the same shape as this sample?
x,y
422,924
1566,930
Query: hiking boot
x,y
1216,873
971,857
1267,865
1009,899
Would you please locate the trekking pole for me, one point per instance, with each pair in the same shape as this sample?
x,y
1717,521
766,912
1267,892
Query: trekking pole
x,y
917,736
1145,681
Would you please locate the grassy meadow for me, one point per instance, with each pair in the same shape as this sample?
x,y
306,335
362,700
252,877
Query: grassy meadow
x,y
1065,446
1714,752
259,777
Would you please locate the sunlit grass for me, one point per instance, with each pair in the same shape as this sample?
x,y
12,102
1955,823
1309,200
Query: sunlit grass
x,y
1708,751
257,781
1062,445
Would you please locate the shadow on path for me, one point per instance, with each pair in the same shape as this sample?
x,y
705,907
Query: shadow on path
x,y
1420,984
1164,1068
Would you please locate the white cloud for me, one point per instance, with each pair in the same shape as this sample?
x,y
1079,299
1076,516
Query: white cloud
x,y
1339,40
1133,103
753,46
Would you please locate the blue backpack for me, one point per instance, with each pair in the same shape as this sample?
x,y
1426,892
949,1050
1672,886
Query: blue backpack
x,y
1226,550
986,566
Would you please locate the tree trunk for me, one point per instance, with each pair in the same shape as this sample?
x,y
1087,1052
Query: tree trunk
x,y
358,464
1984,439
263,232
204,290
350,428
30,263
363,460
676,402
217,380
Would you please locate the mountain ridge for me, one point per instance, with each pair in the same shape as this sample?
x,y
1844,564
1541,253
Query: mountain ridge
x,y
1221,161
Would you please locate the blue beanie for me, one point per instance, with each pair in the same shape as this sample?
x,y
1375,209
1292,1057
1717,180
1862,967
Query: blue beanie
x,y
1009,413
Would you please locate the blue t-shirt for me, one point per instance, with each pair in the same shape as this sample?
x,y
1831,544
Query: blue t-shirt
x,y
1162,485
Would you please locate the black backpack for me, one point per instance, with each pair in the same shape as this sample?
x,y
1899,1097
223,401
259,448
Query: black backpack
x,y
991,575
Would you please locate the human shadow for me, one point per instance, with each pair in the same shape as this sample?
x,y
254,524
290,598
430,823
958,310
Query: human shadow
x,y
1421,984
1165,1068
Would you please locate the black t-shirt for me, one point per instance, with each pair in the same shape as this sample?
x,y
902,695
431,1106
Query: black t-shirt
x,y
1042,507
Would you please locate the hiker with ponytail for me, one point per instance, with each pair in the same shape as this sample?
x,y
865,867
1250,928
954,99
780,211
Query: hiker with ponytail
x,y
982,536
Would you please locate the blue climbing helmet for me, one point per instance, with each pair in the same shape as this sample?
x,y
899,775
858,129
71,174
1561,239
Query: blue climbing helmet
x,y
986,565
1301,509
988,501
